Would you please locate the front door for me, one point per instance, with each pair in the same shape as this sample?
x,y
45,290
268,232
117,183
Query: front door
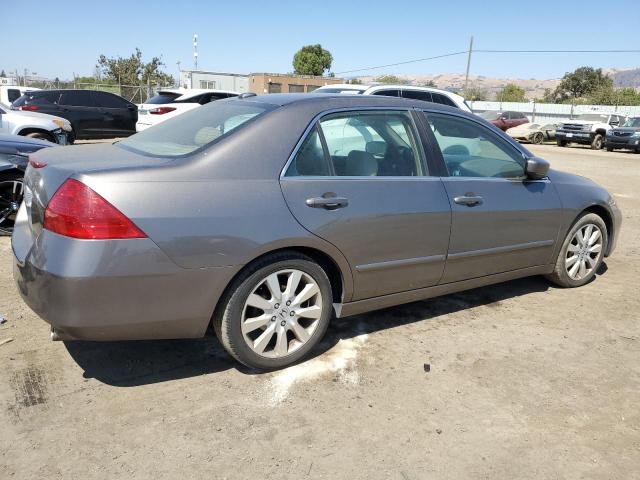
x,y
501,221
359,181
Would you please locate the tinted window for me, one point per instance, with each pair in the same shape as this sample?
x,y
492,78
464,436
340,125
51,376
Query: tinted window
x,y
76,98
40,97
164,97
443,99
472,150
507,115
211,97
417,95
193,130
372,144
107,100
309,160
388,93
13,94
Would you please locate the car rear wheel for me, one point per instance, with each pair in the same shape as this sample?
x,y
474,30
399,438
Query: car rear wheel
x,y
597,142
11,192
275,312
561,143
582,252
537,138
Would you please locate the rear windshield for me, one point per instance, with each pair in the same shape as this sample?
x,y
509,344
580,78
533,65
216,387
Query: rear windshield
x,y
164,97
195,129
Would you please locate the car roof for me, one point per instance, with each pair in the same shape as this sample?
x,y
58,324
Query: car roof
x,y
191,92
336,100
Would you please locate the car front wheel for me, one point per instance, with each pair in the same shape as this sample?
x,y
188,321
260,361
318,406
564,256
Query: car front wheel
x,y
582,252
275,312
597,142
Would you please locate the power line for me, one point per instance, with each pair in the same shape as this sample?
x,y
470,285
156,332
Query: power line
x,y
403,63
482,51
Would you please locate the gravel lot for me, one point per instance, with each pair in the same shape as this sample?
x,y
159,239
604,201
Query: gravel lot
x,y
526,381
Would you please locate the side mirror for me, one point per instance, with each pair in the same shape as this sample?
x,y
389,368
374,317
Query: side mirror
x,y
536,168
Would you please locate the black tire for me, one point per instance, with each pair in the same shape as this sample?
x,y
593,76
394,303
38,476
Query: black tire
x,y
6,226
537,138
559,276
597,142
609,149
228,316
561,143
41,136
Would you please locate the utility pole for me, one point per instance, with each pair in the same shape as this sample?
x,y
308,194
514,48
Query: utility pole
x,y
466,78
178,63
25,77
195,51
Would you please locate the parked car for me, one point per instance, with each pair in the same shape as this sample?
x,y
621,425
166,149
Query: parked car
x,y
168,103
505,120
10,93
92,114
14,151
625,137
427,94
265,216
535,133
588,129
34,125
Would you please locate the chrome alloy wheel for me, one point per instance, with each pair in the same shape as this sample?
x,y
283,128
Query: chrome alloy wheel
x,y
584,251
11,192
281,313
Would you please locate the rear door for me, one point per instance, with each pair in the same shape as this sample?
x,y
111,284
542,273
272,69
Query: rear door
x,y
501,221
118,116
78,107
359,180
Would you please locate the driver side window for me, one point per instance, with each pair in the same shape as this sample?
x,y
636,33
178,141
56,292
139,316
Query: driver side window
x,y
472,150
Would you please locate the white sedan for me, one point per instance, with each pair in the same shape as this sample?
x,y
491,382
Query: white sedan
x,y
171,102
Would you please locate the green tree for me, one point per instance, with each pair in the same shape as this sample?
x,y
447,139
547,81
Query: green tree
x,y
606,95
2,74
312,60
133,71
391,79
476,94
581,83
511,93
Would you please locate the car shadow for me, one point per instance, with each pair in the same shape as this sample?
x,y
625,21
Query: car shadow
x,y
129,364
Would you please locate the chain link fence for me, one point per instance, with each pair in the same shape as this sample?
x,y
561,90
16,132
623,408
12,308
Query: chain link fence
x,y
133,93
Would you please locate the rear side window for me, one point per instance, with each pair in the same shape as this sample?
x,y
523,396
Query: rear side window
x,y
417,95
443,99
40,98
309,160
388,93
13,94
107,100
162,98
76,98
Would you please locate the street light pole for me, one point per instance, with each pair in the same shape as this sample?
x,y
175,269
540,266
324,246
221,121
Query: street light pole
x,y
466,78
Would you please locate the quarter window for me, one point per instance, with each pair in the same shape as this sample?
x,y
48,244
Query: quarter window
x,y
471,150
309,160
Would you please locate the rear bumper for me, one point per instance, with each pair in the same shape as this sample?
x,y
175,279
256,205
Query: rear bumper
x,y
113,290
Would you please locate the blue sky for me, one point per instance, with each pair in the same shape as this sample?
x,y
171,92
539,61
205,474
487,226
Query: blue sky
x,y
251,36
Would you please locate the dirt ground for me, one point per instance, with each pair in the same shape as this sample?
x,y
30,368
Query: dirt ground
x,y
526,381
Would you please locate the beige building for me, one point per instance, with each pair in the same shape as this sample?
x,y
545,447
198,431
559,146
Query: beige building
x,y
287,83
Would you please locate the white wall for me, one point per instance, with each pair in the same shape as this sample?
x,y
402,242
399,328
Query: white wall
x,y
551,112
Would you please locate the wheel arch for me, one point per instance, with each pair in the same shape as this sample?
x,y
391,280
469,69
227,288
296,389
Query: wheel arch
x,y
26,131
607,218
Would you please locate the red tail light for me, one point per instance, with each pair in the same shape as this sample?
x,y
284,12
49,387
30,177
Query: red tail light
x,y
161,110
28,108
77,211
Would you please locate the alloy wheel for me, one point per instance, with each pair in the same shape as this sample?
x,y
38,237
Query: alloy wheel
x,y
584,251
11,192
281,313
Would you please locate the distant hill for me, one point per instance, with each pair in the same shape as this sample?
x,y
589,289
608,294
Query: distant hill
x,y
533,88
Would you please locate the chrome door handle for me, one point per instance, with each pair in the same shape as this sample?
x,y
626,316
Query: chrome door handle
x,y
468,200
328,203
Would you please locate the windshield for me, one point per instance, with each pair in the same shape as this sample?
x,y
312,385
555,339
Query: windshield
x,y
593,117
632,122
164,97
195,129
488,115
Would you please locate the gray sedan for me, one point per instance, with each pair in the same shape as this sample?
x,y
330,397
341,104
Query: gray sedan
x,y
266,216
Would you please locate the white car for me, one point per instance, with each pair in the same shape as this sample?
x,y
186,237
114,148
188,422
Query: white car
x,y
588,129
169,103
10,93
535,133
34,125
427,94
